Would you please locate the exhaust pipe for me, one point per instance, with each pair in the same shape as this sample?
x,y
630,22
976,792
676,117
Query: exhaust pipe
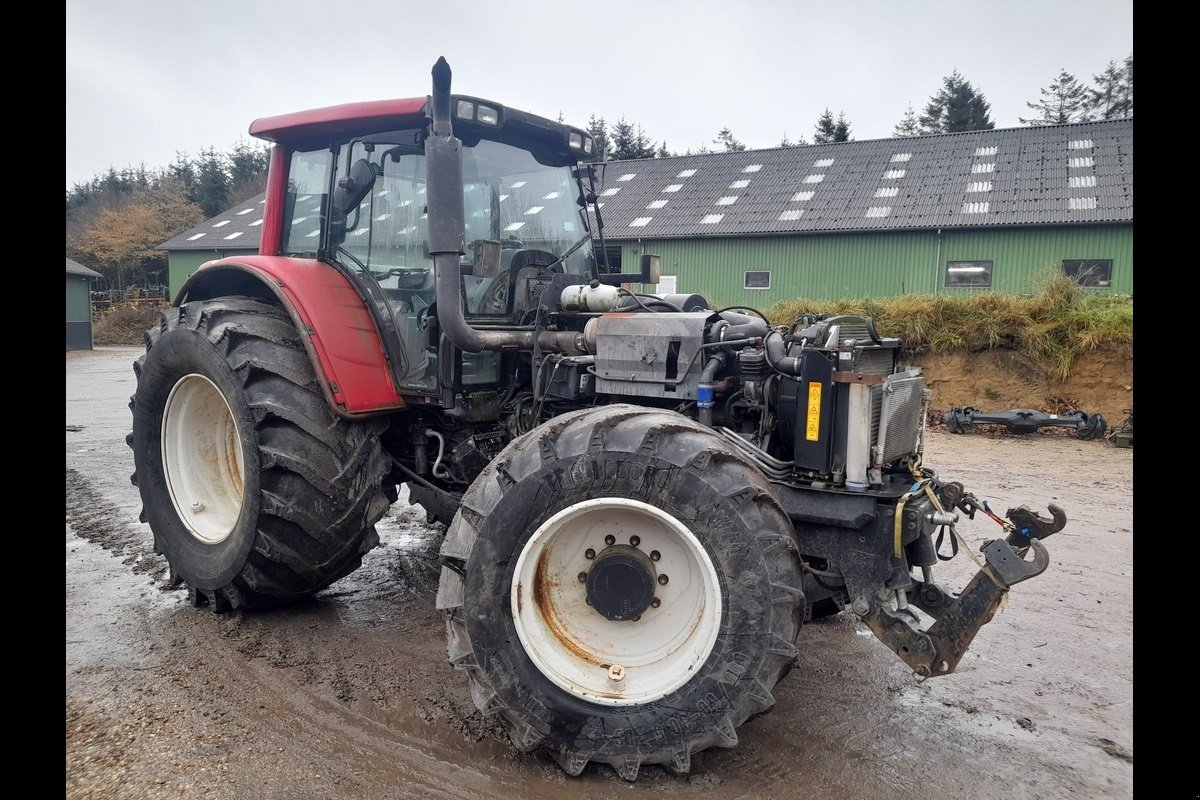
x,y
444,195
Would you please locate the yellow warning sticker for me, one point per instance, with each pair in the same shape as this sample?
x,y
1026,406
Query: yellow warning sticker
x,y
812,431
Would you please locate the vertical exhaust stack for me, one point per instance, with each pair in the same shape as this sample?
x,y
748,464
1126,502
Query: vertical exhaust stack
x,y
447,220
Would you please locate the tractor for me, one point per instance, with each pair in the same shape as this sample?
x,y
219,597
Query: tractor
x,y
644,498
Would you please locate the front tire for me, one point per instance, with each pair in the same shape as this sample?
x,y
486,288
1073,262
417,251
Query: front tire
x,y
256,492
621,586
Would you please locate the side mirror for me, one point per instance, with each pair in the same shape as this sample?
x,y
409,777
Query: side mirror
x,y
649,271
352,188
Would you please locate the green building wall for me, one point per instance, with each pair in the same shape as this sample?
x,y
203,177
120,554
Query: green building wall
x,y
182,263
832,266
79,312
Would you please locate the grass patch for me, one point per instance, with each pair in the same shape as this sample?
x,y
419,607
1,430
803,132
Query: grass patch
x,y
1051,328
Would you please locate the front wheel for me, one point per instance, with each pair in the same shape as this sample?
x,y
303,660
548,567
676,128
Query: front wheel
x,y
621,586
255,490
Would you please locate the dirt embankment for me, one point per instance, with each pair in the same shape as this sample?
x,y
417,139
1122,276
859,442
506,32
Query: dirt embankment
x,y
1101,382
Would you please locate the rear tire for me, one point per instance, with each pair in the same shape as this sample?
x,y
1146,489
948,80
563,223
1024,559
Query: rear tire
x,y
256,492
679,503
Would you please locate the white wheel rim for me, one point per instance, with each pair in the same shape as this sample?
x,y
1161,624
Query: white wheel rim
x,y
202,458
576,647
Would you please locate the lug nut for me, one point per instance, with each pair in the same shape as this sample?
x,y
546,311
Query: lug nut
x,y
655,555
655,603
616,673
589,554
197,506
610,540
635,540
583,577
662,580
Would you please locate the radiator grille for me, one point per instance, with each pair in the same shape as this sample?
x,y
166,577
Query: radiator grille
x,y
900,415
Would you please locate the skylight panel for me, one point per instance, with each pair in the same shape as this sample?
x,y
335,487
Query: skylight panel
x,y
610,192
534,210
894,174
800,197
892,192
518,185
640,222
986,151
244,211
791,215
727,200
712,219
979,186
752,168
674,187
814,178
515,226
687,173
195,237
1085,161
628,176
824,162
657,204
221,224
1079,144
1081,181
256,223
980,168
974,208
236,234
900,157
1081,203
551,196
739,184
879,211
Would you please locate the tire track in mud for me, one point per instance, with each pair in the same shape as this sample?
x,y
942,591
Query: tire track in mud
x,y
97,520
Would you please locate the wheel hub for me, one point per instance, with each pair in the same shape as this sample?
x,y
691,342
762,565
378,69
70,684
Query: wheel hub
x,y
621,582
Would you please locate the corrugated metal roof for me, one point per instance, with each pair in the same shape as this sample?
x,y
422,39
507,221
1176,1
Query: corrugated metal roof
x,y
235,229
1048,175
75,268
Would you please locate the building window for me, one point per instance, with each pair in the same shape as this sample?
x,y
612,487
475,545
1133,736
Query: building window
x,y
1095,272
968,274
760,279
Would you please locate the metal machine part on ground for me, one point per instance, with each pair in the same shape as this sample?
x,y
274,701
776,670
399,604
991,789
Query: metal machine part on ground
x,y
1026,420
646,498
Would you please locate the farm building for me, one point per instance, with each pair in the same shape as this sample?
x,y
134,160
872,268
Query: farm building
x,y
79,305
959,212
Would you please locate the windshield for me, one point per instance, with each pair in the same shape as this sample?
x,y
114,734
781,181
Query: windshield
x,y
520,217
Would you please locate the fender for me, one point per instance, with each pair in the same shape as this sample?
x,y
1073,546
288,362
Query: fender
x,y
335,326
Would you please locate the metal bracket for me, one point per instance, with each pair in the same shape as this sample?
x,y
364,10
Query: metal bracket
x,y
958,618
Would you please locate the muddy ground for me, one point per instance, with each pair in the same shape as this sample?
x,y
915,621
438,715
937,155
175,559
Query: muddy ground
x,y
350,696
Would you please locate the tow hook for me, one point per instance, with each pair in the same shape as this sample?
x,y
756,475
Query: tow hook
x,y
958,617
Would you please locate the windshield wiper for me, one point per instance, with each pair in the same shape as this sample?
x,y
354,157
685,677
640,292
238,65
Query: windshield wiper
x,y
570,250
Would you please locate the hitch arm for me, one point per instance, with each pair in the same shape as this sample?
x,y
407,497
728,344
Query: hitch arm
x,y
958,618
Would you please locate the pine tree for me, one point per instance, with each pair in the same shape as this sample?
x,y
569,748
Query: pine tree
x,y
907,126
1062,101
825,129
957,106
1112,95
727,140
841,131
601,145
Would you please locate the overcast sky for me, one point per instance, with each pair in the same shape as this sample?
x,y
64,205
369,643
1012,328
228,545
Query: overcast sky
x,y
147,79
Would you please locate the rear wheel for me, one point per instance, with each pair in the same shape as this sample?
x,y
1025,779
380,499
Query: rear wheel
x,y
256,492
621,586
